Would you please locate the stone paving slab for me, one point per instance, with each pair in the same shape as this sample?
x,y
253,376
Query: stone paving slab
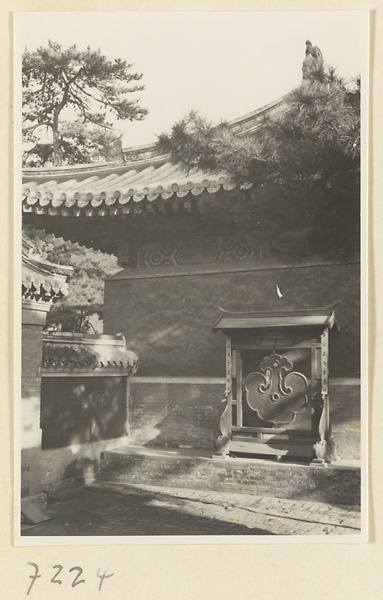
x,y
107,509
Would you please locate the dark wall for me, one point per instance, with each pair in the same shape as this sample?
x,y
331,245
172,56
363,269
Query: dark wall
x,y
345,405
77,410
175,414
187,414
168,320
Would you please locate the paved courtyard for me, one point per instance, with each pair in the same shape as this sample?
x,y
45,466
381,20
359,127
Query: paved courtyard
x,y
137,510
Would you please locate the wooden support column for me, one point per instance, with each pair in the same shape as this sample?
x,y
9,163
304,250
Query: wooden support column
x,y
127,426
314,375
239,389
322,447
324,425
222,443
228,390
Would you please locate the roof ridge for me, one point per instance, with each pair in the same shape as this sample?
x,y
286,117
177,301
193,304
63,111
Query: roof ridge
x,y
147,154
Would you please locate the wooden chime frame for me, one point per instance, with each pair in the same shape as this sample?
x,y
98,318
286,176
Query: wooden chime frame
x,y
272,331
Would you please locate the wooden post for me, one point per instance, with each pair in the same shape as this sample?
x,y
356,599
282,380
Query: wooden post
x,y
222,443
127,427
322,448
239,389
228,364
314,373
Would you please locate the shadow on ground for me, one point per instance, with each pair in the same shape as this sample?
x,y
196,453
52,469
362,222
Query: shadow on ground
x,y
95,512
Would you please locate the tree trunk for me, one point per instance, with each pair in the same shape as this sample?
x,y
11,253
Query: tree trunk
x,y
57,155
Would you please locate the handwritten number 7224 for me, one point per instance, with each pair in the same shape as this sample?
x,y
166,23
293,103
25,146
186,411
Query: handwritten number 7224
x,y
76,580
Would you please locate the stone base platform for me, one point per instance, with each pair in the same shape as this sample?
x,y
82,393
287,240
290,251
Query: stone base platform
x,y
196,469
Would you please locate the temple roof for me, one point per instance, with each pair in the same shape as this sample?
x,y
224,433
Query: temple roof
x,y
68,351
141,184
114,190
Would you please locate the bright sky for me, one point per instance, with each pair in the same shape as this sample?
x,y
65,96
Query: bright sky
x,y
224,64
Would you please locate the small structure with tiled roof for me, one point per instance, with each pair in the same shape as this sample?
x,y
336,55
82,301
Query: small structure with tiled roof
x,y
59,369
84,402
315,318
42,284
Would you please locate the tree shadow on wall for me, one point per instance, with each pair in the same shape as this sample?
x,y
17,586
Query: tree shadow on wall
x,y
174,431
82,470
81,410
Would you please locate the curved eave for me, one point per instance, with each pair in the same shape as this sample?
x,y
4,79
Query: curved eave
x,y
120,201
45,268
43,281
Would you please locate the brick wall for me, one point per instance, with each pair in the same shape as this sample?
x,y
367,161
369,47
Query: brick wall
x,y
32,347
77,410
31,353
175,413
31,382
301,482
345,409
180,413
168,319
76,464
80,417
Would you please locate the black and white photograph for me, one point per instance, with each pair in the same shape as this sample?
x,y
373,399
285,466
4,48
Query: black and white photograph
x,y
192,244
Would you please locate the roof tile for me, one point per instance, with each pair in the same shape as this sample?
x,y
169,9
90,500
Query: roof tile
x,y
66,351
102,191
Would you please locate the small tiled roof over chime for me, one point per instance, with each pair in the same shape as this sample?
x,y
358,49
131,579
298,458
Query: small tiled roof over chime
x,y
316,318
